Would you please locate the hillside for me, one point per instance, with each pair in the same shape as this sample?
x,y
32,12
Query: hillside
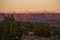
x,y
34,17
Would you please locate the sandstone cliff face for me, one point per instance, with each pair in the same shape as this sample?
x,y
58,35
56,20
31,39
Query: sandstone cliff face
x,y
38,17
43,17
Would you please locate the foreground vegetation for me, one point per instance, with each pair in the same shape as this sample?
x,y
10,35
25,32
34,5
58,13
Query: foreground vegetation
x,y
9,28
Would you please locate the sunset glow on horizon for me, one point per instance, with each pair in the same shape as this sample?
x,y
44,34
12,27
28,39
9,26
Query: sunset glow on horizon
x,y
25,5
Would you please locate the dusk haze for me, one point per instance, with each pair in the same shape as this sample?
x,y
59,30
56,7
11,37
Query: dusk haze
x,y
26,5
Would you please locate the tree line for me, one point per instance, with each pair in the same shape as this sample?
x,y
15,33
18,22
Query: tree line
x,y
9,28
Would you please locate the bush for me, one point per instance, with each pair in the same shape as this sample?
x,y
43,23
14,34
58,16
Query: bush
x,y
9,28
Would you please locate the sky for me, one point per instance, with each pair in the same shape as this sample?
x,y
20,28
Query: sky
x,y
25,5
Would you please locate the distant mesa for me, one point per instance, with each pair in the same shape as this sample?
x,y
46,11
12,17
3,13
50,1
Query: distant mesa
x,y
34,17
